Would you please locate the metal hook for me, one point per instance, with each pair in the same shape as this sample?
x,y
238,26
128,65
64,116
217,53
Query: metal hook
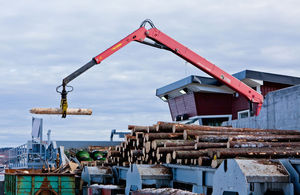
x,y
149,22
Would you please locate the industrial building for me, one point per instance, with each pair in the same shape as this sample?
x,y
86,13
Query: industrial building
x,y
210,102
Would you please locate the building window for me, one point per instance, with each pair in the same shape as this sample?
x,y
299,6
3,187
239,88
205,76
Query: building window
x,y
243,114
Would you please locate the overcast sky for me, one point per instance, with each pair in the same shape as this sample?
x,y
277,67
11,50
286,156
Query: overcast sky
x,y
41,42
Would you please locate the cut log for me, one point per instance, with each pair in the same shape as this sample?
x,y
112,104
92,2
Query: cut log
x,y
164,127
158,143
169,158
216,163
163,150
203,145
212,138
136,153
204,161
153,136
191,134
114,153
275,152
177,128
270,138
176,143
70,111
189,155
147,147
151,129
140,129
237,144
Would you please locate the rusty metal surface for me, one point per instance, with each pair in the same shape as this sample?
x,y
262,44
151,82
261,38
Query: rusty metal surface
x,y
263,170
37,183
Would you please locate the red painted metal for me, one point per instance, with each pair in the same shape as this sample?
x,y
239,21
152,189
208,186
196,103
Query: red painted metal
x,y
138,35
213,104
190,56
206,66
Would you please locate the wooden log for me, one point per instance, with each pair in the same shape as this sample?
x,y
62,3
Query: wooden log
x,y
70,111
281,152
204,161
164,127
237,144
212,138
203,145
191,134
147,147
216,163
169,158
151,129
128,138
125,164
177,128
114,153
189,155
158,143
136,153
177,143
131,127
169,143
269,138
179,161
163,150
153,136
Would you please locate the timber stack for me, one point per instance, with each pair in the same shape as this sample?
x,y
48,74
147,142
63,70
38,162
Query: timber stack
x,y
201,145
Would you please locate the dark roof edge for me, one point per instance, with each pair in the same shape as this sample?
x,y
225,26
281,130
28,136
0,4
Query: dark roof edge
x,y
265,76
185,81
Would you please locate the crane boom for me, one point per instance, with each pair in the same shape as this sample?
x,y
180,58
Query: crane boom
x,y
163,41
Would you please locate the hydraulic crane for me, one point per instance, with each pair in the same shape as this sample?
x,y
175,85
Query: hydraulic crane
x,y
163,41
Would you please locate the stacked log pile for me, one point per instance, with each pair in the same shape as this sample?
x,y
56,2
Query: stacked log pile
x,y
201,145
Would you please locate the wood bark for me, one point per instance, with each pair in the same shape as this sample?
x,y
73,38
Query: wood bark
x,y
161,150
212,138
164,127
204,161
153,136
275,152
237,144
177,143
203,145
189,155
191,134
270,138
151,129
70,111
177,128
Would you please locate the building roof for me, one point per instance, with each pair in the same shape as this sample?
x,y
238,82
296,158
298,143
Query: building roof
x,y
270,77
243,75
186,81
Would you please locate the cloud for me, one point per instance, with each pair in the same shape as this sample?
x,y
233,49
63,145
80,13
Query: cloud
x,y
42,42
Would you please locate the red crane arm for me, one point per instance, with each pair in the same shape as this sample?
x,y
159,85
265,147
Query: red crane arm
x,y
206,66
163,41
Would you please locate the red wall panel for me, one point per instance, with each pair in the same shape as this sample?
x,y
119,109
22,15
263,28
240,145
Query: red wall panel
x,y
213,103
268,87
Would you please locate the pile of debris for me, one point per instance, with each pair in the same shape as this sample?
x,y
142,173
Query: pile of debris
x,y
201,145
